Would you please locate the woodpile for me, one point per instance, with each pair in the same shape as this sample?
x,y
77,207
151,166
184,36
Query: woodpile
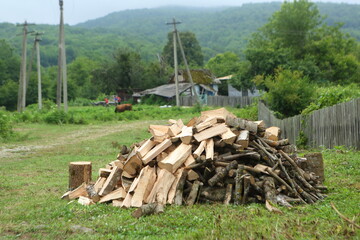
x,y
216,157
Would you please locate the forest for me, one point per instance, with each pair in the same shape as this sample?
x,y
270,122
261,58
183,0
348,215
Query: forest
x,y
130,50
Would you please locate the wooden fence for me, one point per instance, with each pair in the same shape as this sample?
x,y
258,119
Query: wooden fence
x,y
332,126
218,101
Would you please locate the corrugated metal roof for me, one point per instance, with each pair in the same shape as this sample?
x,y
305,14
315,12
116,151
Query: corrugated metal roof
x,y
167,90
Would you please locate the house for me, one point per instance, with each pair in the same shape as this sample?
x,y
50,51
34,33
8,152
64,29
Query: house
x,y
233,92
204,84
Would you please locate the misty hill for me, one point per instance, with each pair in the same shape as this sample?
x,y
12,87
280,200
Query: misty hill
x,y
217,29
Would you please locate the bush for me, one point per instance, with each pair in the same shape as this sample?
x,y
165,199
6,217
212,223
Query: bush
x,y
289,92
329,96
6,131
56,117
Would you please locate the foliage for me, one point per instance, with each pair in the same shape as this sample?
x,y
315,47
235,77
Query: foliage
x,y
295,38
155,100
224,64
6,130
331,95
289,92
192,50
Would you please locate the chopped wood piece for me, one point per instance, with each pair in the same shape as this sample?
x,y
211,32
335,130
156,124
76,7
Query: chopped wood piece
x,y
271,208
193,193
117,203
76,193
189,161
127,201
174,130
161,187
213,193
211,132
176,158
243,138
111,181
104,172
133,163
199,150
79,172
147,178
145,148
99,184
242,124
85,201
156,151
261,125
239,184
161,156
248,155
220,113
159,132
192,175
272,133
209,149
246,189
186,135
116,194
180,188
228,137
209,122
228,194
192,122
148,209
315,164
172,191
93,195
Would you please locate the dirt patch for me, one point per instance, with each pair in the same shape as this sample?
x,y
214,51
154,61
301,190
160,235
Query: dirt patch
x,y
83,134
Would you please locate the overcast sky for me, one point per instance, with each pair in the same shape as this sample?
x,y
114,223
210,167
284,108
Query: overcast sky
x,y
76,11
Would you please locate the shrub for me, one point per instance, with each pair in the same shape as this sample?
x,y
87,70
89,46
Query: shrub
x,y
56,117
6,131
289,92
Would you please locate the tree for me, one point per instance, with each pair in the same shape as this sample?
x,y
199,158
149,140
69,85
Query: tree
x,y
295,39
224,64
192,50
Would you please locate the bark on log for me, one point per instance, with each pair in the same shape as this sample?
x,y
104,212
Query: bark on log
x,y
223,173
79,172
213,193
148,209
239,185
315,164
180,188
228,194
193,194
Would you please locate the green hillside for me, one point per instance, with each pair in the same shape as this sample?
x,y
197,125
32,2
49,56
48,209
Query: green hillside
x,y
144,30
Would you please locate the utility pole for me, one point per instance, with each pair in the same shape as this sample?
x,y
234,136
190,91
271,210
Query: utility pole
x,y
37,47
175,62
22,80
187,68
62,73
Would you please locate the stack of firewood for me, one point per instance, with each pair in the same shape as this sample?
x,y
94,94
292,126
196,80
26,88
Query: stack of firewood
x,y
216,157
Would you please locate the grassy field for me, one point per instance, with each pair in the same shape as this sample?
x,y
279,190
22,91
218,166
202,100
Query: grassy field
x,y
34,174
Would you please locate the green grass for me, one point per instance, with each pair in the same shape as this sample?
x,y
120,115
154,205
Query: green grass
x,y
31,185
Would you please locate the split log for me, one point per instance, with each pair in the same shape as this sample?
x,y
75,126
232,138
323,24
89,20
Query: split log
x,y
228,194
209,122
156,151
147,178
246,189
193,193
116,194
99,184
85,201
79,172
111,181
192,175
209,149
228,137
76,193
176,158
239,183
148,209
211,132
145,148
174,130
133,163
180,188
161,187
172,191
278,143
272,133
199,150
243,138
186,135
220,114
104,172
159,132
92,193
189,161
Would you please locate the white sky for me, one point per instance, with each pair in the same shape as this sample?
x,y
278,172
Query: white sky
x,y
76,11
